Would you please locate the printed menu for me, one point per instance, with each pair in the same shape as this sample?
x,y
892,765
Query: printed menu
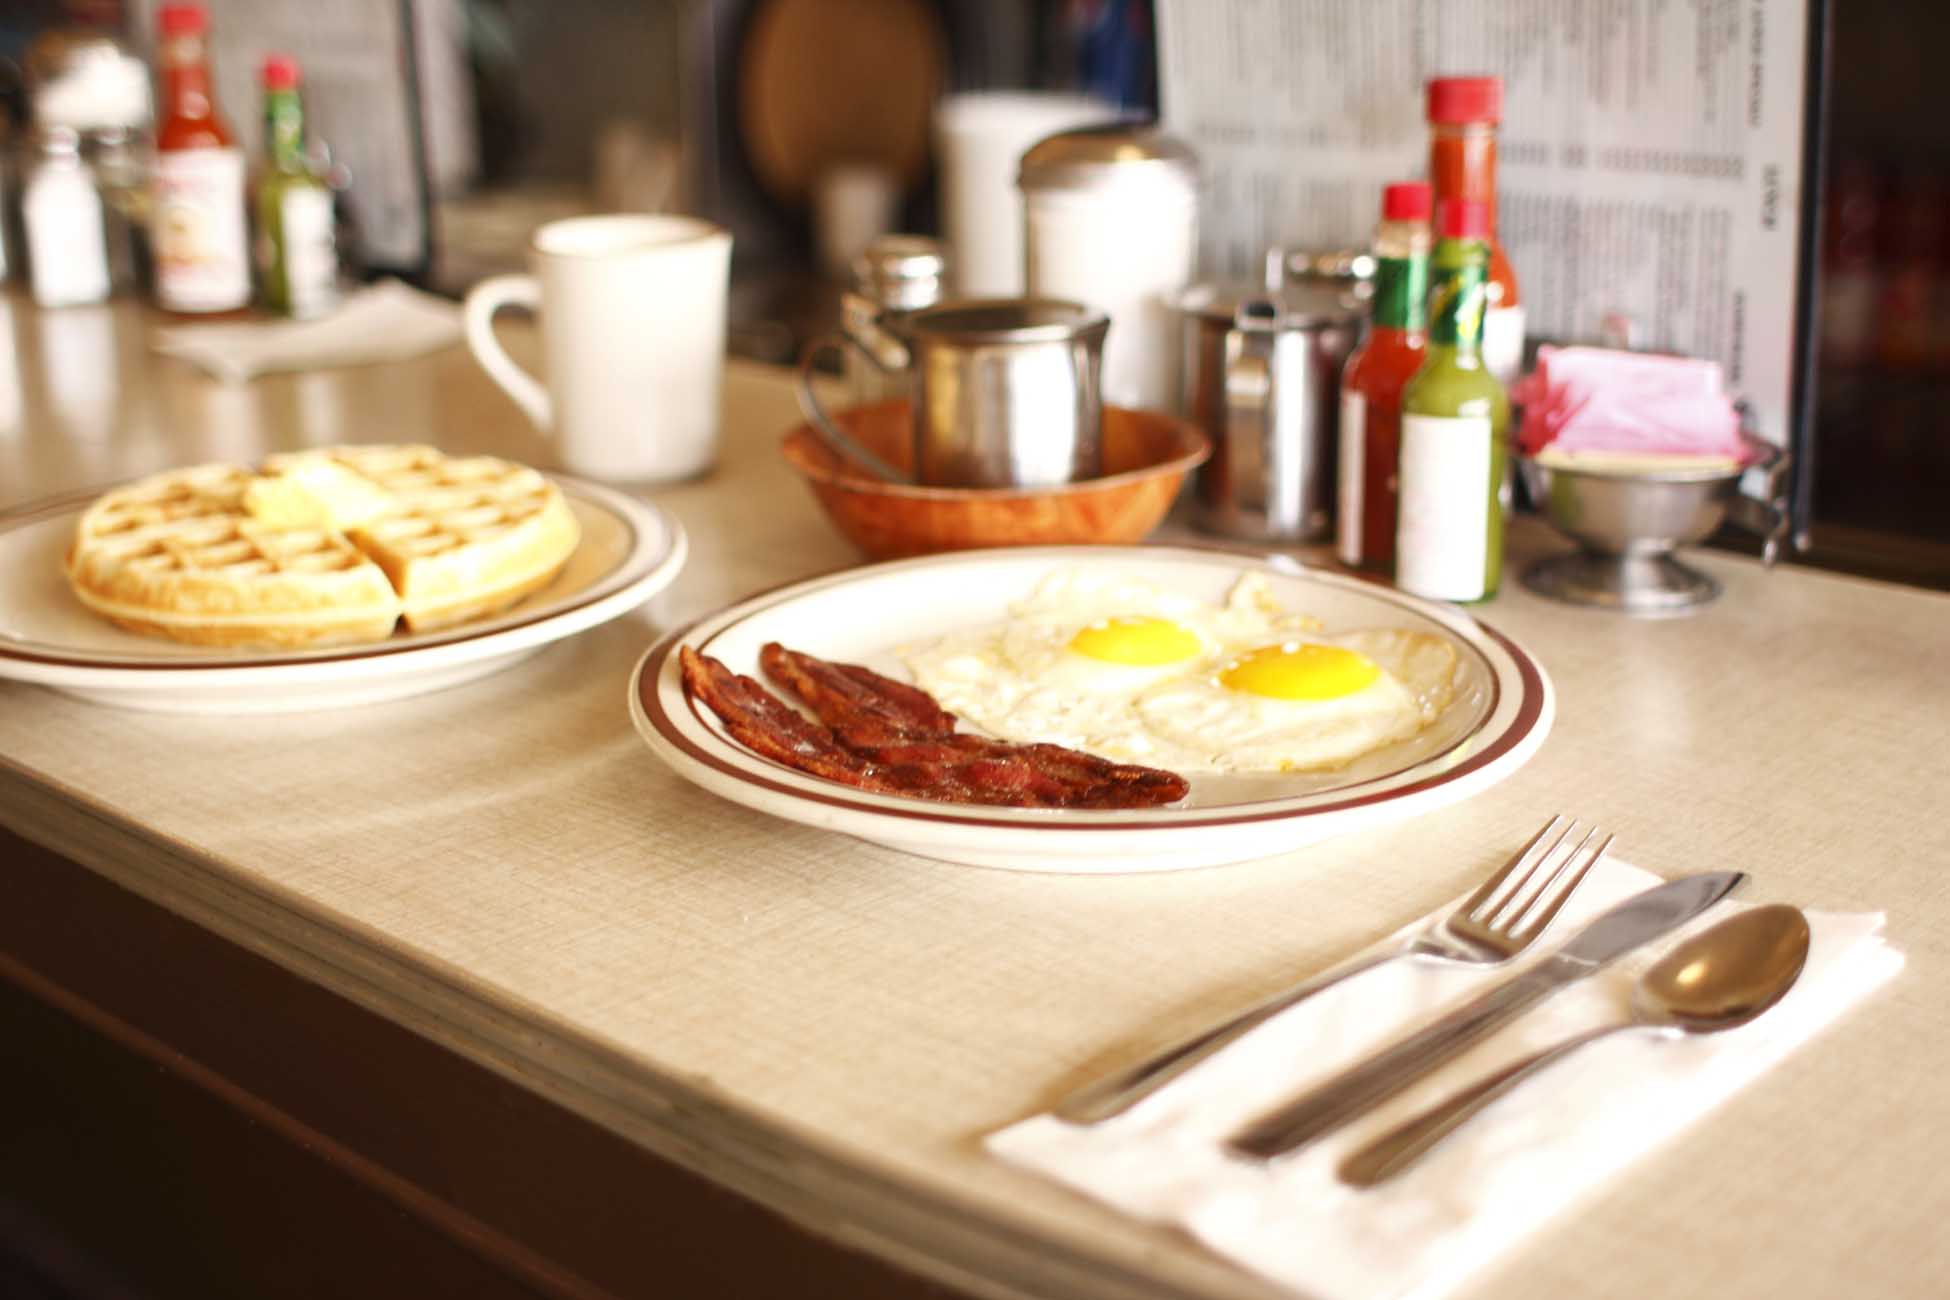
x,y
1650,162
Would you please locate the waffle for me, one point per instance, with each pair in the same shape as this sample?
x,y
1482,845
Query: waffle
x,y
182,555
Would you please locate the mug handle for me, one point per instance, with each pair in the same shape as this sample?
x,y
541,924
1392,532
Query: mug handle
x,y
842,444
477,318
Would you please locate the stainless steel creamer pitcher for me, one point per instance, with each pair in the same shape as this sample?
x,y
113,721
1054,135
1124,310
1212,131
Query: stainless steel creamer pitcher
x,y
1262,379
1007,391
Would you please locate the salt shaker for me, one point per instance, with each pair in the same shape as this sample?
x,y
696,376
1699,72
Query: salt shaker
x,y
1110,218
897,274
66,233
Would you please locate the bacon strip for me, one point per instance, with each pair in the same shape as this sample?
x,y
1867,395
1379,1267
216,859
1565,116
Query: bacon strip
x,y
883,735
763,723
846,694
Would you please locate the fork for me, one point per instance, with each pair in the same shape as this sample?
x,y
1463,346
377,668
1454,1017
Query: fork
x,y
1503,917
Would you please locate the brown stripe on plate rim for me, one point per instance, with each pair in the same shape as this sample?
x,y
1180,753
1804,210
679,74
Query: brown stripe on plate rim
x,y
607,585
1530,709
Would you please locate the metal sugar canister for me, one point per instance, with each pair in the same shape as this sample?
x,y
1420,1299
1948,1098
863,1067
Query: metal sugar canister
x,y
896,275
1110,218
1263,379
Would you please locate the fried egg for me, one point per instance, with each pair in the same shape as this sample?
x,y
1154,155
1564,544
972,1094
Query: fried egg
x,y
1073,656
1123,668
1303,704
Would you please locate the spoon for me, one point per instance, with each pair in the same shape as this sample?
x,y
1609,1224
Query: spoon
x,y
1719,978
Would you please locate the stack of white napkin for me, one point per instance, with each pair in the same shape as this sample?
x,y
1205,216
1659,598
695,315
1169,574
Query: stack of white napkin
x,y
1494,1181
388,321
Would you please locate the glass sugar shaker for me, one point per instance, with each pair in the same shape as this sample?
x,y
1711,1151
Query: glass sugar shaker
x,y
896,275
1110,218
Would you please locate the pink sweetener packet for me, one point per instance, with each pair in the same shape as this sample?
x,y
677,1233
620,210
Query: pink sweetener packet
x,y
1598,399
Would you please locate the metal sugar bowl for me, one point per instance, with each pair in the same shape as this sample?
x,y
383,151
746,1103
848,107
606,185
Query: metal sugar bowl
x,y
1628,523
1263,380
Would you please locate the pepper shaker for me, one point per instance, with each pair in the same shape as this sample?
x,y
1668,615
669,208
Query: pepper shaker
x,y
896,275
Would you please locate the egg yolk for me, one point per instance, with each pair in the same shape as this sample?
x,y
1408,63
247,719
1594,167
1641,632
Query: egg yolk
x,y
1137,640
1301,671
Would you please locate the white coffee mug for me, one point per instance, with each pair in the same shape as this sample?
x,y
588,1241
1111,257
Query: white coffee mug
x,y
633,330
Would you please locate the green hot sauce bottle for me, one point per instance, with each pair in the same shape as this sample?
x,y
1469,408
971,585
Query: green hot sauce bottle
x,y
1455,415
296,253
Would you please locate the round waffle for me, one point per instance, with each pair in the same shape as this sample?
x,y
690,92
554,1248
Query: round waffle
x,y
182,555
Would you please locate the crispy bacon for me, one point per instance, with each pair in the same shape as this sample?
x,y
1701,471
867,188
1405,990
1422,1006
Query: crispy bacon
x,y
847,694
879,734
763,723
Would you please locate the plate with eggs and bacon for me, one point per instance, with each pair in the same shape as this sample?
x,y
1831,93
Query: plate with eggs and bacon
x,y
1091,709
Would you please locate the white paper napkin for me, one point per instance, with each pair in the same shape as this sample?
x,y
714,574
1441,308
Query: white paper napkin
x,y
388,321
1494,1181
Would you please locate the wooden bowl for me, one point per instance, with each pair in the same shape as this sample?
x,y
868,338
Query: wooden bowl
x,y
1146,457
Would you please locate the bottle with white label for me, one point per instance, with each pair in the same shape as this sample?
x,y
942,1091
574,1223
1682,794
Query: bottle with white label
x,y
297,254
1455,418
61,211
200,235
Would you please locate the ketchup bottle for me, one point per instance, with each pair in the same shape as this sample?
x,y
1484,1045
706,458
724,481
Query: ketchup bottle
x,y
201,238
1464,113
1371,385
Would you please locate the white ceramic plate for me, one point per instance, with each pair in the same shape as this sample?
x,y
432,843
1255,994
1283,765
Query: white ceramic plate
x,y
1501,713
629,551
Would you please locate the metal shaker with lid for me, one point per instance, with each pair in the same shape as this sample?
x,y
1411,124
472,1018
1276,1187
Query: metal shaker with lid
x,y
1110,218
1262,379
897,274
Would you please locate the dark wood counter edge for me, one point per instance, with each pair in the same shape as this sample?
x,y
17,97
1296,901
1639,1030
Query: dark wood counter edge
x,y
266,1125
823,1194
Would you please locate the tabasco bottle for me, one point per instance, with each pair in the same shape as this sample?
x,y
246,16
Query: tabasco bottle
x,y
1455,416
1464,113
202,246
1371,385
297,258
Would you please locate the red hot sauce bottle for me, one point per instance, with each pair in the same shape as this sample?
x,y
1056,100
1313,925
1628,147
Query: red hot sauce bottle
x,y
201,238
1464,113
1371,385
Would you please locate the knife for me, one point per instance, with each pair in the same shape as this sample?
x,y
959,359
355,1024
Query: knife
x,y
1639,919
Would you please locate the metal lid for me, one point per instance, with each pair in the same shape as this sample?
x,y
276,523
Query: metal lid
x,y
57,141
901,272
1303,305
1003,320
1333,264
891,260
1099,155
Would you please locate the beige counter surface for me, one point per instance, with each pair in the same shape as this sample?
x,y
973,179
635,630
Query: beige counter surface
x,y
830,1027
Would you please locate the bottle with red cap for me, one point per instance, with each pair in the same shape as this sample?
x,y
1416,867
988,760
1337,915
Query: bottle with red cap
x,y
201,242
1455,419
297,256
1371,384
1464,114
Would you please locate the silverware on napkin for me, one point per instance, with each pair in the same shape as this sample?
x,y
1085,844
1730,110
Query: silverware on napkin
x,y
1501,919
1719,979
1613,933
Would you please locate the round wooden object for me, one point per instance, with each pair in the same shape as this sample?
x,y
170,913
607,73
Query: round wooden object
x,y
822,82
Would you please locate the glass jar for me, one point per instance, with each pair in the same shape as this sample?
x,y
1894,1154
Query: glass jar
x,y
62,217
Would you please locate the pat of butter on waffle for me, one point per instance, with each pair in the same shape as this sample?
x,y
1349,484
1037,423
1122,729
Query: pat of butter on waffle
x,y
314,494
322,548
